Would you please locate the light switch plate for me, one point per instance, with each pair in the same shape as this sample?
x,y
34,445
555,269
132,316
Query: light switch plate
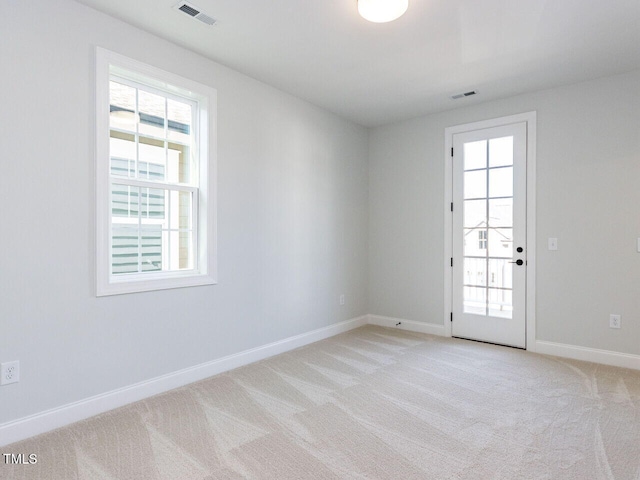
x,y
553,243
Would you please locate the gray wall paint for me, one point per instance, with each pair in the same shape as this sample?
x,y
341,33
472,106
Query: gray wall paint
x,y
292,218
588,188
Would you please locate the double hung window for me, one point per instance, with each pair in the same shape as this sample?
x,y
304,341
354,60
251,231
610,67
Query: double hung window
x,y
155,157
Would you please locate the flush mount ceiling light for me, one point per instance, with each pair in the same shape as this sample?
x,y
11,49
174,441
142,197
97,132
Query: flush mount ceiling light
x,y
381,11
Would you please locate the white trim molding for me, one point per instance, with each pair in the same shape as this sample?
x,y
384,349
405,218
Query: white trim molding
x,y
58,417
586,354
408,325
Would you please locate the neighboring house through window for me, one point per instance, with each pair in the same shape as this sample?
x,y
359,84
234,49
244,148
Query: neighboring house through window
x,y
155,160
482,239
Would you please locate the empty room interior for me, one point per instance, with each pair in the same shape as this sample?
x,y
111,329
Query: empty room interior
x,y
359,239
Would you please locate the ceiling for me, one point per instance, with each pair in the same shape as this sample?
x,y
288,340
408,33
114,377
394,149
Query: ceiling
x,y
324,52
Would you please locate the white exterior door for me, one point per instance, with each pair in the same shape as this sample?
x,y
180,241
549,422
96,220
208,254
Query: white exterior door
x,y
489,235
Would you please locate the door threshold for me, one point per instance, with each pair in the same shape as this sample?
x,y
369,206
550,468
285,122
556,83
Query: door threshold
x,y
489,343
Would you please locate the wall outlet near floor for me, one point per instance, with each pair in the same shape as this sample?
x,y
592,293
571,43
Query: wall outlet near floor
x,y
614,321
342,299
9,372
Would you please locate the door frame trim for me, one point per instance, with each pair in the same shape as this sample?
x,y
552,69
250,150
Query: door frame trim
x,y
530,119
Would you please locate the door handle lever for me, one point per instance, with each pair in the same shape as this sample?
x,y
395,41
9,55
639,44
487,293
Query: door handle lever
x,y
518,262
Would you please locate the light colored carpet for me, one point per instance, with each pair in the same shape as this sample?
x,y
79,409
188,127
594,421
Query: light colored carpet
x,y
372,403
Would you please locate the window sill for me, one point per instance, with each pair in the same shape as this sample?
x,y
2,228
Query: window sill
x,y
120,287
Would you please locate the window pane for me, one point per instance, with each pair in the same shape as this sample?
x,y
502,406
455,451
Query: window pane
x,y
178,163
152,159
500,303
122,99
152,114
151,248
501,151
501,182
500,273
136,250
475,300
124,249
475,184
179,116
122,148
475,155
181,210
153,205
501,212
125,202
185,242
475,213
501,242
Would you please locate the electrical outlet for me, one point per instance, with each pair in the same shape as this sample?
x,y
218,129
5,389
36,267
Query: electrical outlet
x,y
614,321
9,372
342,299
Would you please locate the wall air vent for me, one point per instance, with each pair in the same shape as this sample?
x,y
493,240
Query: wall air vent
x,y
194,12
465,94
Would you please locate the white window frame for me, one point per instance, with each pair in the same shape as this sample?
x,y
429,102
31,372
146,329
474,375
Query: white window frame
x,y
205,259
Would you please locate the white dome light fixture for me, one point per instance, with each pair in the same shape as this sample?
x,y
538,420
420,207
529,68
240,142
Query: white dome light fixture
x,y
381,11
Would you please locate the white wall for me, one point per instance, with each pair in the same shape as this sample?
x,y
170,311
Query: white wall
x,y
588,196
292,218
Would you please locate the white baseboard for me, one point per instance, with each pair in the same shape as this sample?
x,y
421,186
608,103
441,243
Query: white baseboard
x,y
606,357
409,325
58,417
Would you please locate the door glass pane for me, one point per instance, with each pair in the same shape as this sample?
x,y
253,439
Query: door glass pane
x,y
501,151
501,242
475,300
500,303
501,212
500,273
476,241
475,184
475,271
475,155
501,182
475,213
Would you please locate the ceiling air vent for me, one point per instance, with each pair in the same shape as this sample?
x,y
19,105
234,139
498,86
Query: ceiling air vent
x,y
465,94
194,12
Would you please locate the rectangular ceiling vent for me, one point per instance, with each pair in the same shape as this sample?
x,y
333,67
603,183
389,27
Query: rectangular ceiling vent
x,y
194,12
462,95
